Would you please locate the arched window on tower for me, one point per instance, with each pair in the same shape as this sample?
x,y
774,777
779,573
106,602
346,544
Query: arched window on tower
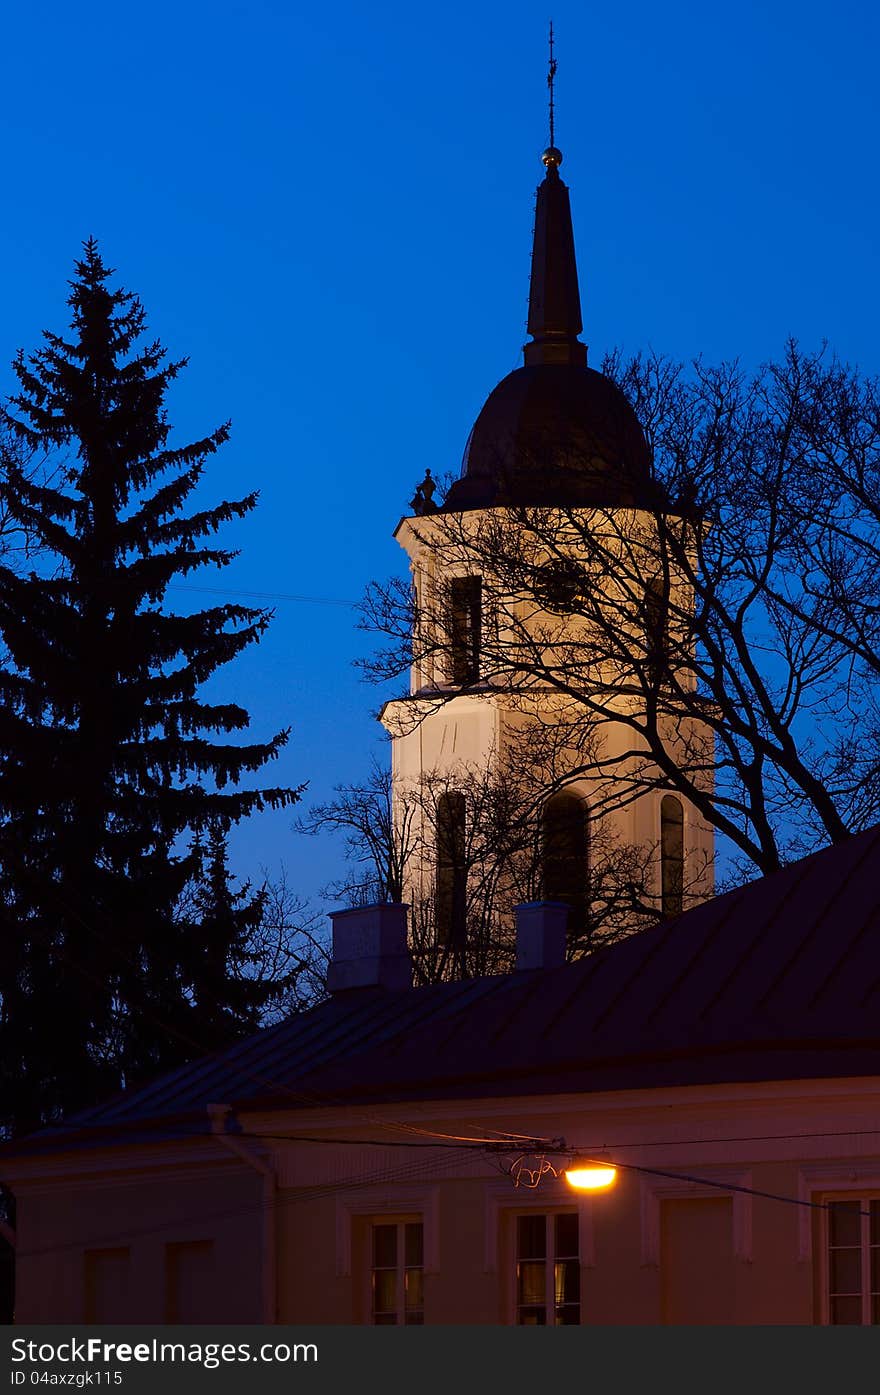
x,y
671,855
450,891
566,853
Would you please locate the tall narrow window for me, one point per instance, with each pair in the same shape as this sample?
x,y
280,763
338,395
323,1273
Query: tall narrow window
x,y
566,856
397,1274
671,855
853,1262
450,899
465,628
548,1275
656,623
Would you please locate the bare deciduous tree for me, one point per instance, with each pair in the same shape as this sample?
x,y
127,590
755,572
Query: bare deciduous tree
x,y
722,643
463,878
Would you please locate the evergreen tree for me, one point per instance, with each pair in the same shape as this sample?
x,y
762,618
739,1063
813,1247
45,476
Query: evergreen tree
x,y
108,754
224,932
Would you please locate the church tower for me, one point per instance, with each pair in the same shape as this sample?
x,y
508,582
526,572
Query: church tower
x,y
520,676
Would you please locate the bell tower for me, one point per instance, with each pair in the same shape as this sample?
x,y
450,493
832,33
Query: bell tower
x,y
511,630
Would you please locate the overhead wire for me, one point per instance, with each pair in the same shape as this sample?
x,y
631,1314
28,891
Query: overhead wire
x,y
403,1173
414,1171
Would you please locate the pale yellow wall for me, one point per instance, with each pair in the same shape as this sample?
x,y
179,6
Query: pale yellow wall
x,y
458,733
804,1140
745,1259
702,1282
471,732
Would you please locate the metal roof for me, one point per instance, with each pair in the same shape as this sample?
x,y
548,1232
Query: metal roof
x,y
777,980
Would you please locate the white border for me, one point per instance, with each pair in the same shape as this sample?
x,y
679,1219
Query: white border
x,y
401,1201
503,1199
829,1177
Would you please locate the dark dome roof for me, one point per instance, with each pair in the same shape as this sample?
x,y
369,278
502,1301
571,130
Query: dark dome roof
x,y
555,434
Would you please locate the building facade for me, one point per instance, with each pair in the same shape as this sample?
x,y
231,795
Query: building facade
x,y
396,1155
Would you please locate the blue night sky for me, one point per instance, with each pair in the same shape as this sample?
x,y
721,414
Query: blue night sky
x,y
329,209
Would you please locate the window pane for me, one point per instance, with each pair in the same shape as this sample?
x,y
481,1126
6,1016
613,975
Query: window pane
x,y
875,1269
846,1271
531,1237
569,1316
875,1222
531,1278
846,1312
567,1281
566,1237
413,1245
532,1317
414,1319
385,1320
845,1222
414,1293
385,1291
384,1246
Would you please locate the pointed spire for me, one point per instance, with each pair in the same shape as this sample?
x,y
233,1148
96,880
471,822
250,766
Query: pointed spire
x,y
554,299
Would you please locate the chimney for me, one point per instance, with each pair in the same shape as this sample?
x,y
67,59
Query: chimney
x,y
369,949
541,934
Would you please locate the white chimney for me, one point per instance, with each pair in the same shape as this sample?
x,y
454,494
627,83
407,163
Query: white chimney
x,y
541,934
370,949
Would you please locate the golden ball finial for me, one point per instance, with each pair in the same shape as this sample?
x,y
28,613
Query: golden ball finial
x,y
552,156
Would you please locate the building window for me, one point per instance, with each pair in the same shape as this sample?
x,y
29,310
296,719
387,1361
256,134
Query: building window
x,y
671,855
853,1262
548,1275
655,617
465,629
450,895
397,1276
565,839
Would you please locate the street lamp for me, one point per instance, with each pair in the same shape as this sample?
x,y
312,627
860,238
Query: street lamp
x,y
587,1176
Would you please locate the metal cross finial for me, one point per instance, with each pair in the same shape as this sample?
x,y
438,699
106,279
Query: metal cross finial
x,y
551,75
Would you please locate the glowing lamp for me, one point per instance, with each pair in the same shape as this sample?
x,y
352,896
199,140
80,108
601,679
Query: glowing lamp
x,y
587,1176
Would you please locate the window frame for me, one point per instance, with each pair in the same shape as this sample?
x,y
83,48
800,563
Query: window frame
x,y
549,1214
863,1196
464,629
401,1268
672,859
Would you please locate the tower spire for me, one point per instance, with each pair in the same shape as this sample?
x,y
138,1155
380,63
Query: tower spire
x,y
551,78
554,299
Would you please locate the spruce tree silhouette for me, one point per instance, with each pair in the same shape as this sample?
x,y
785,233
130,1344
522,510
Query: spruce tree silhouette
x,y
108,755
